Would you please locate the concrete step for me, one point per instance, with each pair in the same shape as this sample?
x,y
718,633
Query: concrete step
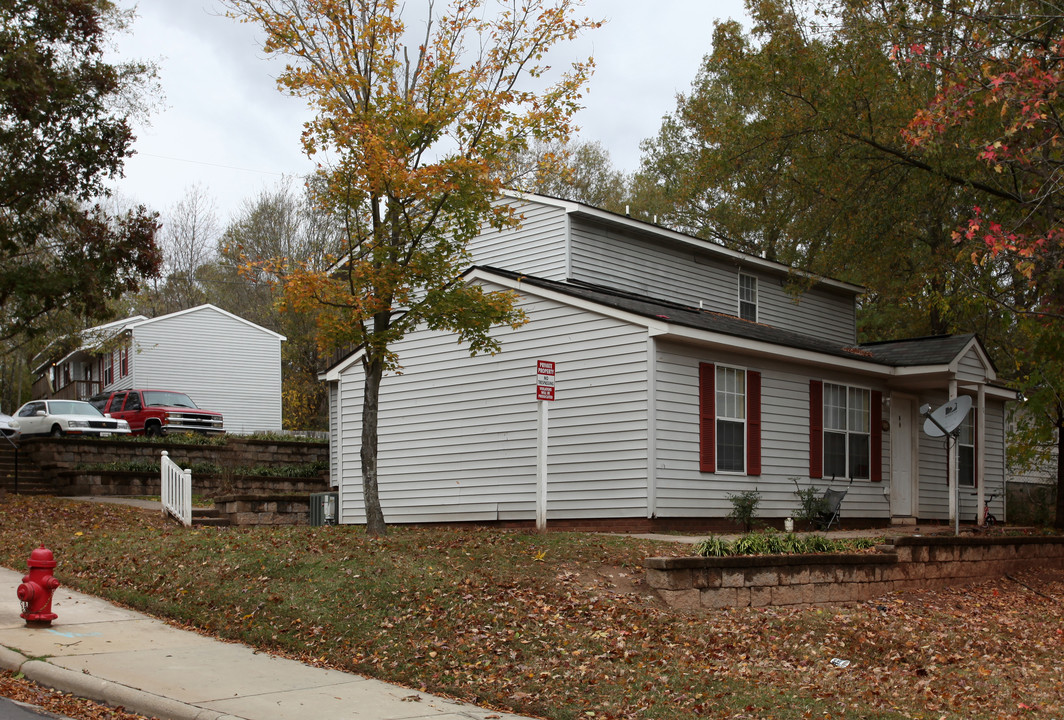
x,y
208,517
31,480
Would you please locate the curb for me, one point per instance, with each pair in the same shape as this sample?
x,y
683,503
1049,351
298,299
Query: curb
x,y
105,691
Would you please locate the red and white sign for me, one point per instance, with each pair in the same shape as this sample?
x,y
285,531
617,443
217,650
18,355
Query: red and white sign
x,y
544,380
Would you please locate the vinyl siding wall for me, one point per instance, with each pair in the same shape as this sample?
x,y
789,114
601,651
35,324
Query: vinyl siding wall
x,y
934,491
222,363
537,247
458,435
668,271
683,491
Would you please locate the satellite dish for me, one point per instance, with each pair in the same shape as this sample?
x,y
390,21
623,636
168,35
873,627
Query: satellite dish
x,y
947,418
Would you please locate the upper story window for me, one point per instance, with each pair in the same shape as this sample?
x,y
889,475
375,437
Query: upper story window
x,y
847,431
966,451
748,297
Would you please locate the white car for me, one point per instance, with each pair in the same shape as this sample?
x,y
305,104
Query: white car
x,y
67,417
9,427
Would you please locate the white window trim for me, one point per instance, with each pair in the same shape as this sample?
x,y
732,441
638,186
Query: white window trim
x,y
741,300
718,416
846,431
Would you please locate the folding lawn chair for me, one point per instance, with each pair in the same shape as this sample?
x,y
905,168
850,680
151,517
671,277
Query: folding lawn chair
x,y
832,507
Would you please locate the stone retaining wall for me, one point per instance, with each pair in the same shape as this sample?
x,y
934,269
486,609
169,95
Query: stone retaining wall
x,y
121,482
277,509
906,563
58,458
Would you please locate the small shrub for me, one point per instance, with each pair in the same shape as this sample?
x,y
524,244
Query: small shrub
x,y
744,507
811,503
713,546
772,542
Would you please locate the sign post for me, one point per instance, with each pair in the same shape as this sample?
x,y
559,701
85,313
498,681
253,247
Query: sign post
x,y
544,394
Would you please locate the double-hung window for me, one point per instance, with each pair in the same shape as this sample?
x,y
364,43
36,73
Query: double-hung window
x,y
847,431
966,451
747,297
729,419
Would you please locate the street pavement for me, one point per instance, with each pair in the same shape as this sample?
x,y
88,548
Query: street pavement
x,y
14,710
123,658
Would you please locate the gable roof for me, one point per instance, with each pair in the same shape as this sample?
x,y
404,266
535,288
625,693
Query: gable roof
x,y
685,315
918,356
932,350
140,320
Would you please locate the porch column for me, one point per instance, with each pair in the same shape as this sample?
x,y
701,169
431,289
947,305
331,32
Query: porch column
x,y
980,451
952,456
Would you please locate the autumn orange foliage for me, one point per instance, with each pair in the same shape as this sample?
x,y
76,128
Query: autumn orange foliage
x,y
414,129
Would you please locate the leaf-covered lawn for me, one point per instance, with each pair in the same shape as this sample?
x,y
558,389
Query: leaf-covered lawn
x,y
559,625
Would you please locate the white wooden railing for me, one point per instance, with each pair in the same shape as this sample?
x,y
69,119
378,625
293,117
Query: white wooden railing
x,y
176,490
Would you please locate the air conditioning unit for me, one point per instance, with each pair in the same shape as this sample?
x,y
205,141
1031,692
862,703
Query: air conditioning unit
x,y
324,508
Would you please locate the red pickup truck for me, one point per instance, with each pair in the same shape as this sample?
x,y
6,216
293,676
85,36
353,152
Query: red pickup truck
x,y
157,412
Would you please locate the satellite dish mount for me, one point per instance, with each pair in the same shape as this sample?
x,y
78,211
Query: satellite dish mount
x,y
946,422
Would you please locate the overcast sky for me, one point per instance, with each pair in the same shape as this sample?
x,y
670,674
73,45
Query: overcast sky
x,y
223,125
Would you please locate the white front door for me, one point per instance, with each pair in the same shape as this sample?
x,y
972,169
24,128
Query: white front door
x,y
903,449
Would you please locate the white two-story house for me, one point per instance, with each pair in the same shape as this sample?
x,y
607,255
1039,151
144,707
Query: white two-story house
x,y
685,372
223,362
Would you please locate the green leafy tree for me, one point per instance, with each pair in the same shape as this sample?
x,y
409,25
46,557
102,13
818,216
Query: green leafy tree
x,y
417,127
65,131
580,171
998,100
789,145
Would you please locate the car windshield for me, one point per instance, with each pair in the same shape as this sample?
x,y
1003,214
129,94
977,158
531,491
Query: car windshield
x,y
168,399
72,407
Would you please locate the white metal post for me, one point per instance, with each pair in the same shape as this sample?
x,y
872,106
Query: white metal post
x,y
951,469
541,464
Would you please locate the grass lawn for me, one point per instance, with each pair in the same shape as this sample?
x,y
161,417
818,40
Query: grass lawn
x,y
558,625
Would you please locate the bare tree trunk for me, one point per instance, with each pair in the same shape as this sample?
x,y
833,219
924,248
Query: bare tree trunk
x,y
374,367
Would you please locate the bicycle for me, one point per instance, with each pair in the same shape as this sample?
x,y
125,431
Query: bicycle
x,y
988,518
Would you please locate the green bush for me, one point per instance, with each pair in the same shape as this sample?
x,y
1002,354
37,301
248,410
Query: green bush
x,y
744,507
811,503
1031,504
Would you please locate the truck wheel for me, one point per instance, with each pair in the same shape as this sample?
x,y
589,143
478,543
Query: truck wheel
x,y
153,430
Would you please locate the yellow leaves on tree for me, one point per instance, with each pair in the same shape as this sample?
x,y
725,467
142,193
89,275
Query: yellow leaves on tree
x,y
416,122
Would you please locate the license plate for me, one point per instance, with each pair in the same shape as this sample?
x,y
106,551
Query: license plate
x,y
105,434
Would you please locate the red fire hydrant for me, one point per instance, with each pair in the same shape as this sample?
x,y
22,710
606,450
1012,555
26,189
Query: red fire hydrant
x,y
36,589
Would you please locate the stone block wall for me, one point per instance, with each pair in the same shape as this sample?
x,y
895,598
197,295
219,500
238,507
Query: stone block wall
x,y
116,482
277,509
907,563
58,460
57,454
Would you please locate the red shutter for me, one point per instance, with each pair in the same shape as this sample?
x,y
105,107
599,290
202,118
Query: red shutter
x,y
707,418
816,429
753,422
876,439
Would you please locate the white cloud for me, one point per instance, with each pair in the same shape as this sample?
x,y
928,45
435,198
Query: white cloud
x,y
225,125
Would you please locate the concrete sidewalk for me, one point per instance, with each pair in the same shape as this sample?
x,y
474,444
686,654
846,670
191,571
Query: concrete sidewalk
x,y
113,655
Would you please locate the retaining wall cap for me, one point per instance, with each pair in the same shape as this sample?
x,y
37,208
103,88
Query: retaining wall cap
x,y
940,541
696,562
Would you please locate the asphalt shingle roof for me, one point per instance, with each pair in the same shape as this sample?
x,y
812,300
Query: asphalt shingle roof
x,y
919,351
937,350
